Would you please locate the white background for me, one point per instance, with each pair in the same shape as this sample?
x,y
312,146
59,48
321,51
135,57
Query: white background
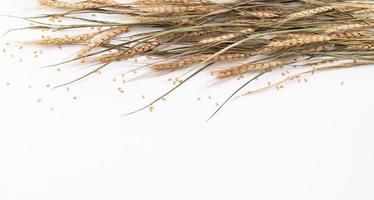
x,y
307,141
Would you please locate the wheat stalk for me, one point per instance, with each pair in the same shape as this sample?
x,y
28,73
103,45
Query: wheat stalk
x,y
365,11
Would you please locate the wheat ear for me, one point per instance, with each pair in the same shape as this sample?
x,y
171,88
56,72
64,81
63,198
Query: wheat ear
x,y
257,22
66,40
246,68
153,2
262,13
348,35
287,43
102,38
320,48
307,13
137,50
310,39
175,9
104,2
197,59
227,36
165,20
360,47
66,5
347,27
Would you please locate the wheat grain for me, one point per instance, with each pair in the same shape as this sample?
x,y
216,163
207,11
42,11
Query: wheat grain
x,y
226,36
248,68
103,38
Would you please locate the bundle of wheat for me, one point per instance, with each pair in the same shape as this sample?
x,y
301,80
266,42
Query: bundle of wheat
x,y
193,33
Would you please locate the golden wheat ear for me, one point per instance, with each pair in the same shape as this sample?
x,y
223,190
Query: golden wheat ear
x,y
101,39
248,68
124,54
65,40
67,5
